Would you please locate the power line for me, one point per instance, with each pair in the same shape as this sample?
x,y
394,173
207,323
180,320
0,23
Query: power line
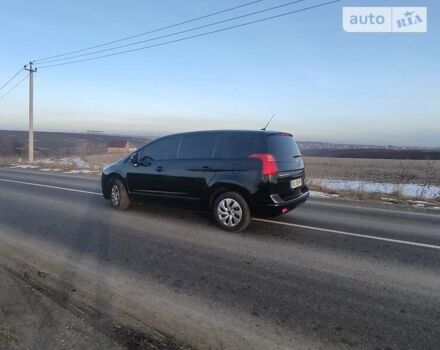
x,y
12,88
175,33
193,36
152,31
13,77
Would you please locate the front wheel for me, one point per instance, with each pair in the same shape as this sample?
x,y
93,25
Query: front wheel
x,y
231,212
118,195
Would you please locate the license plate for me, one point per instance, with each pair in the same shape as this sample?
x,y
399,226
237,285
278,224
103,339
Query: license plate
x,y
295,183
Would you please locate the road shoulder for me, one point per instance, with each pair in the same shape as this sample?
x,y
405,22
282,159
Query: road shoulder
x,y
31,320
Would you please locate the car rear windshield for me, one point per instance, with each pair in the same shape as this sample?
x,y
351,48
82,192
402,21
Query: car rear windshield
x,y
283,147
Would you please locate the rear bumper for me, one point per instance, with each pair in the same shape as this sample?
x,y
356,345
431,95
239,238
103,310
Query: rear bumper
x,y
276,205
279,202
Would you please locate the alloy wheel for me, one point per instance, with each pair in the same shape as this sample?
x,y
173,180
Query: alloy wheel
x,y
229,212
116,195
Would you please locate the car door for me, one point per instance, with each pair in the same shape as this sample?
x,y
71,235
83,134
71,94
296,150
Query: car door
x,y
147,176
190,174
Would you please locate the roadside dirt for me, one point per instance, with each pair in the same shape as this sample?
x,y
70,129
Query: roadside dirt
x,y
29,319
35,316
151,318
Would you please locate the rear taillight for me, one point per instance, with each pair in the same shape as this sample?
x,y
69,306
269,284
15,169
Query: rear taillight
x,y
268,161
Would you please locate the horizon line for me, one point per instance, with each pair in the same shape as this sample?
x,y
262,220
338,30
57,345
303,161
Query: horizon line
x,y
100,132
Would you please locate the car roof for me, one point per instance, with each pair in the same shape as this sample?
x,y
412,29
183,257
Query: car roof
x,y
262,132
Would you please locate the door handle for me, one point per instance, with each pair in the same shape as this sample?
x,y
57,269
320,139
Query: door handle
x,y
203,168
159,169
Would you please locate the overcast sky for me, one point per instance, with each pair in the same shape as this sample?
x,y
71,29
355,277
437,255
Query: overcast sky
x,y
324,84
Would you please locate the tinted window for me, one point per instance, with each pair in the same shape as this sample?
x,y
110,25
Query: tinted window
x,y
162,149
282,147
241,145
197,146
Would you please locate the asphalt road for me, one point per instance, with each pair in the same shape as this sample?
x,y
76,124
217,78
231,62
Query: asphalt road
x,y
325,276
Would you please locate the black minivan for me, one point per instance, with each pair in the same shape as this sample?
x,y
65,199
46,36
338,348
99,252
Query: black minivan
x,y
234,174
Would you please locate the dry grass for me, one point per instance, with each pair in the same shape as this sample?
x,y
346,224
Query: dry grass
x,y
424,172
358,193
103,158
55,165
319,186
398,193
97,161
9,160
94,162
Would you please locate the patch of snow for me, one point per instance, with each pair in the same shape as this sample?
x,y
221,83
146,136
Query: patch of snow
x,y
317,194
419,205
50,169
389,200
24,166
411,190
418,202
82,171
76,161
46,161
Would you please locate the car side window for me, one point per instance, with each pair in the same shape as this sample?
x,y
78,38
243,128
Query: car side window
x,y
162,149
197,146
241,145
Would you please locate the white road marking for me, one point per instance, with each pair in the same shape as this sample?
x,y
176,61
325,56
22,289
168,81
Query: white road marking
x,y
312,201
423,245
391,211
50,186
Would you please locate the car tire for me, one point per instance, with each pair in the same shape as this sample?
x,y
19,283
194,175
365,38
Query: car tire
x,y
118,195
231,212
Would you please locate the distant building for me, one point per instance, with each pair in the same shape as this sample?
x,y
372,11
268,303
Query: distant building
x,y
120,146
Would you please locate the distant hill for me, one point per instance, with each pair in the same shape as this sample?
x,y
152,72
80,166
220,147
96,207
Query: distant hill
x,y
60,144
52,144
378,153
324,149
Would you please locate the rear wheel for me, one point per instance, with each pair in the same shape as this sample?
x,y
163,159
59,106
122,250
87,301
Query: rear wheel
x,y
231,212
118,195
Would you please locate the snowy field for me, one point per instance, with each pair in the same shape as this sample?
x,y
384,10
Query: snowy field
x,y
407,189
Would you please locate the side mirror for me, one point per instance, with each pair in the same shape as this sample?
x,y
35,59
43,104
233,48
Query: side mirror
x,y
146,160
134,159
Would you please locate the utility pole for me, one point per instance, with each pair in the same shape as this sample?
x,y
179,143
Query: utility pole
x,y
31,110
